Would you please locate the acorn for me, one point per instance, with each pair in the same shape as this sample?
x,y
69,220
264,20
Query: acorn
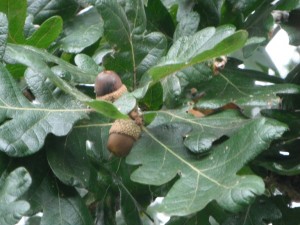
x,y
122,135
109,86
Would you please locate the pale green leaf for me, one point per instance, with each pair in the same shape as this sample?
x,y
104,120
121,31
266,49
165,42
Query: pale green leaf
x,y
87,64
46,33
16,14
3,34
14,186
126,103
204,45
106,108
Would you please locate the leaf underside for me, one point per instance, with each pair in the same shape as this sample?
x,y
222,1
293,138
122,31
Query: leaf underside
x,y
13,187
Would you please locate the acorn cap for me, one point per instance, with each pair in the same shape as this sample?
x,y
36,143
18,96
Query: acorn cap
x,y
111,97
127,127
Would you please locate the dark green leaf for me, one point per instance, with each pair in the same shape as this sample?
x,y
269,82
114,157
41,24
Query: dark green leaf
x,y
3,34
177,86
238,87
43,9
206,130
203,217
292,119
116,26
290,216
187,26
121,24
84,30
261,212
4,162
47,33
25,124
260,22
68,160
210,12
121,175
288,4
62,205
205,44
283,158
35,220
292,27
68,157
246,7
294,75
153,100
158,18
161,155
13,187
106,210
129,208
134,50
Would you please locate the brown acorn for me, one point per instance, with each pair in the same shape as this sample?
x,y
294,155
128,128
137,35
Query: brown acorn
x,y
108,86
122,135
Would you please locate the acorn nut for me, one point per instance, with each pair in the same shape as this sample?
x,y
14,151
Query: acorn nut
x,y
108,86
122,135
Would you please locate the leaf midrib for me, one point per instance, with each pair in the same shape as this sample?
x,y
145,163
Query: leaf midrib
x,y
199,172
8,107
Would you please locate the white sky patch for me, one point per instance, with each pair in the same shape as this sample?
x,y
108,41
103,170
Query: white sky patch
x,y
281,52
